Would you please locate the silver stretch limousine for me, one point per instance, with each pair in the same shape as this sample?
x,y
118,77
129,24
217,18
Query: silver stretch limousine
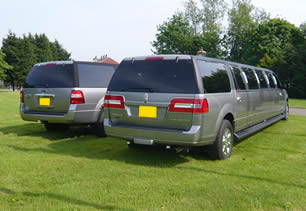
x,y
181,100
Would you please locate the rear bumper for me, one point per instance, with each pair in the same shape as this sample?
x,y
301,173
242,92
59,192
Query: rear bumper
x,y
73,116
157,136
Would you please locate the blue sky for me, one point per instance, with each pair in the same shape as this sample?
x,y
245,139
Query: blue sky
x,y
119,28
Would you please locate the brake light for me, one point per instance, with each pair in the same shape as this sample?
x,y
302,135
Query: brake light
x,y
50,64
21,96
183,105
114,102
77,97
154,58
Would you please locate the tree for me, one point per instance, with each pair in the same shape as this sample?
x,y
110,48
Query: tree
x,y
43,48
252,38
271,39
3,66
213,12
207,22
26,59
10,47
22,53
193,14
291,64
243,17
58,52
280,46
192,30
176,36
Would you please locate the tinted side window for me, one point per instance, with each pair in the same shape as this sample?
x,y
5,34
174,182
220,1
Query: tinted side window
x,y
252,81
94,76
50,76
214,76
276,81
238,78
271,82
261,77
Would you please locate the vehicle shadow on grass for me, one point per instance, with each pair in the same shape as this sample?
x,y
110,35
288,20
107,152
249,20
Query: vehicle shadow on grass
x,y
38,130
104,149
59,197
81,142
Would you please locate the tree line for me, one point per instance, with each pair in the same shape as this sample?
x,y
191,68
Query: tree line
x,y
250,36
19,54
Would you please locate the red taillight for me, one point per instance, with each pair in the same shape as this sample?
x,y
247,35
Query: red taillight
x,y
77,97
50,64
21,96
114,102
188,105
203,106
154,58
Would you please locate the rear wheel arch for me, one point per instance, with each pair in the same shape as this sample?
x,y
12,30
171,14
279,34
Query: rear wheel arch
x,y
230,118
225,113
99,126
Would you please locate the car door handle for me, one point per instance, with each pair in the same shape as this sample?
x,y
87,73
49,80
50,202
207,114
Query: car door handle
x,y
239,99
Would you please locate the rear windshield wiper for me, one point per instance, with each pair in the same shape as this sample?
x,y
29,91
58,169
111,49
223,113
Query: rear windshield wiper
x,y
136,89
40,85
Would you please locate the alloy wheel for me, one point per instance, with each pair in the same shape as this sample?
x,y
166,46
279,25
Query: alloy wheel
x,y
227,142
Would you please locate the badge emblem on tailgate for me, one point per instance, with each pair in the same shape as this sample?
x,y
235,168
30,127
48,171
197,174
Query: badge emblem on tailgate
x,y
146,97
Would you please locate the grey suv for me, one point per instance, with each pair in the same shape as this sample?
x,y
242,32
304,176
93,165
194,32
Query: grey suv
x,y
181,100
66,92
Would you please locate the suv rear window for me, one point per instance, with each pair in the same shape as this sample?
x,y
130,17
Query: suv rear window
x,y
164,76
50,76
94,75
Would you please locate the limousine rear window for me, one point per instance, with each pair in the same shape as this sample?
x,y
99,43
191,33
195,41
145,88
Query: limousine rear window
x,y
276,81
261,77
214,76
252,80
271,82
267,79
238,78
161,76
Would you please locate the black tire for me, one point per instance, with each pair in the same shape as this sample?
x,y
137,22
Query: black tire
x,y
222,147
286,113
99,127
55,127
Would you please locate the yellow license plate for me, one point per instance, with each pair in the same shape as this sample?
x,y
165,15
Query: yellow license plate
x,y
148,111
44,101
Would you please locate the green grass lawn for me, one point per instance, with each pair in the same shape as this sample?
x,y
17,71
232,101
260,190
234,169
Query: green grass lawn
x,y
297,103
74,170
